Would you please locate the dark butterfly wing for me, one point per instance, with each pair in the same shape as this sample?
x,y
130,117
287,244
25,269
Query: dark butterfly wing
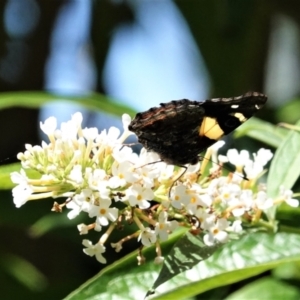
x,y
179,130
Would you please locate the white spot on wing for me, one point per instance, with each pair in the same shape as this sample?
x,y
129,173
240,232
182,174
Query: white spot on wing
x,y
241,117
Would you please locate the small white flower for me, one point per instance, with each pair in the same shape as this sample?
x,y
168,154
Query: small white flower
x,y
229,192
196,199
263,156
147,237
222,158
49,179
19,178
108,138
126,120
75,210
158,260
253,169
68,131
77,119
206,220
94,250
118,246
237,178
49,126
83,229
76,174
166,172
246,198
216,146
262,201
137,195
215,184
123,153
123,173
113,134
192,169
236,226
146,157
80,202
206,200
217,233
239,210
90,133
179,196
147,173
287,196
21,194
163,226
96,177
103,212
238,159
116,181
97,227
214,152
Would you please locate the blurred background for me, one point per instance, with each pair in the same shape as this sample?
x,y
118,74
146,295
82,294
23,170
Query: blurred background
x,y
138,53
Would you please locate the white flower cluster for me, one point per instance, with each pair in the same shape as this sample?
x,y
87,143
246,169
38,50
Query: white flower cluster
x,y
100,175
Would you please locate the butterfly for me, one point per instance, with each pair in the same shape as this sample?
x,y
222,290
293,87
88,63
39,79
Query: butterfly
x,y
178,131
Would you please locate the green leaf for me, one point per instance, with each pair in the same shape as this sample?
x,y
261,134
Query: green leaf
x,y
238,260
235,261
262,131
288,216
103,285
288,271
6,170
284,169
266,288
118,281
92,101
289,112
50,222
23,271
5,181
185,254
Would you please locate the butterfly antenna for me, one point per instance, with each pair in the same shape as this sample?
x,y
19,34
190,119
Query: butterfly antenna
x,y
185,169
151,163
225,167
9,160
